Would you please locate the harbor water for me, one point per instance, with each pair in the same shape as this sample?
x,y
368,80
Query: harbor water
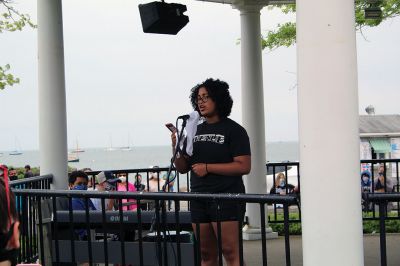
x,y
137,157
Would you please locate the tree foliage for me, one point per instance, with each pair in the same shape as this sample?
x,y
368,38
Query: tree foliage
x,y
6,79
11,20
285,34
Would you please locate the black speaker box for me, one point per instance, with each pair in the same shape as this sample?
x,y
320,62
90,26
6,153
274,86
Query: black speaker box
x,y
163,18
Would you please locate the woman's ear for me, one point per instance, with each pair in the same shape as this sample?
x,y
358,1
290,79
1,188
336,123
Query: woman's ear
x,y
13,243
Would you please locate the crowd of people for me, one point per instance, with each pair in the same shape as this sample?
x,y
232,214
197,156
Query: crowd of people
x,y
108,181
14,174
381,183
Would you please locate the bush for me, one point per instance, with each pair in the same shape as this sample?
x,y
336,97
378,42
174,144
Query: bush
x,y
369,227
294,228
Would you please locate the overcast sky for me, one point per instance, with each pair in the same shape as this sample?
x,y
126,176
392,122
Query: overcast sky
x,y
124,84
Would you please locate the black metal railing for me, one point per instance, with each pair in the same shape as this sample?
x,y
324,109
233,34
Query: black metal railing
x,y
390,170
390,177
36,182
291,172
26,208
64,235
382,200
181,182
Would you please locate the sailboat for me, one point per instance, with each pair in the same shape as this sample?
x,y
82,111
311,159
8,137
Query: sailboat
x,y
111,148
126,148
77,148
73,158
16,151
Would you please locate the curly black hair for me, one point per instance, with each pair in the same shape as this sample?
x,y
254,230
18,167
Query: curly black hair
x,y
218,91
75,174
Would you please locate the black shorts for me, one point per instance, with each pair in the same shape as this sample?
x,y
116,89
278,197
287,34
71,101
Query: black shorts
x,y
206,211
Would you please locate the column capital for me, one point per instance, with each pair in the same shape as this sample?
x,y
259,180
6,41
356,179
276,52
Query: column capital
x,y
252,6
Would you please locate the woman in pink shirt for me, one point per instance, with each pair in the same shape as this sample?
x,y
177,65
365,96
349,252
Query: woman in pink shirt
x,y
123,187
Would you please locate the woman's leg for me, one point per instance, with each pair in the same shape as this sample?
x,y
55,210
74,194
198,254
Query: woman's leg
x,y
208,244
230,241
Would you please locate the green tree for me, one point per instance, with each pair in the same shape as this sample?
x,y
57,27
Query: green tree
x,y
11,20
285,34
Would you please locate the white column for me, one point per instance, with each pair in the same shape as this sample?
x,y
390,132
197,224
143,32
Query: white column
x,y
328,132
52,102
253,110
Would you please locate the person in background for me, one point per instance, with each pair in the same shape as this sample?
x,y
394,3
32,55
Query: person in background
x,y
280,186
366,187
28,171
13,174
106,182
9,226
91,182
155,184
379,182
138,183
220,157
128,204
78,180
170,186
366,183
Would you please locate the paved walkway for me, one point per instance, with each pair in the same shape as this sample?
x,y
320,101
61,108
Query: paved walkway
x,y
276,251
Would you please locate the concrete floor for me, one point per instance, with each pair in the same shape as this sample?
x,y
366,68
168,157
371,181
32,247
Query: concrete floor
x,y
276,251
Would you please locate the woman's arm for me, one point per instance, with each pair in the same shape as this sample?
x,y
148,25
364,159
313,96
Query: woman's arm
x,y
241,165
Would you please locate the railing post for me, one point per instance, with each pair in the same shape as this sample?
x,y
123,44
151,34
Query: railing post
x,y
382,231
263,238
54,233
286,226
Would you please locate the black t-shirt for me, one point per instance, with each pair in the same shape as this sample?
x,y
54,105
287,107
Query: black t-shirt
x,y
218,143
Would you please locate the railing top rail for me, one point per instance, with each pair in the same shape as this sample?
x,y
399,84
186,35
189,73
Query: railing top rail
x,y
377,161
160,169
31,179
253,198
376,197
270,164
136,170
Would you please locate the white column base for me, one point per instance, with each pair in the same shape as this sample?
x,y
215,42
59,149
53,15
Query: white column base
x,y
254,233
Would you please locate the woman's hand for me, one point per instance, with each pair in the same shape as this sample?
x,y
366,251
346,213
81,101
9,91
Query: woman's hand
x,y
173,139
200,169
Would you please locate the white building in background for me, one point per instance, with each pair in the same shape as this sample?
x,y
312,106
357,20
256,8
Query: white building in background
x,y
380,139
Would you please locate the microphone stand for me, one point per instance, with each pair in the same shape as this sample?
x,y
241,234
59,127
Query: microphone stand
x,y
162,202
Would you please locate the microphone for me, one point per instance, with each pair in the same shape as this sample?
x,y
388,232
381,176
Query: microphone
x,y
184,117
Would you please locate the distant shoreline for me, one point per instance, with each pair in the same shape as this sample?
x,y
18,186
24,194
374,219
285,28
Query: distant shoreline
x,y
5,152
